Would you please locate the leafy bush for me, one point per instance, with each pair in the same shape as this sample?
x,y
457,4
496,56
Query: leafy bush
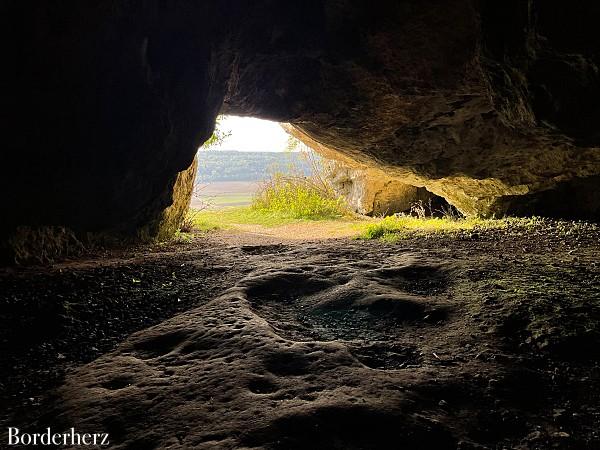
x,y
299,198
295,195
219,134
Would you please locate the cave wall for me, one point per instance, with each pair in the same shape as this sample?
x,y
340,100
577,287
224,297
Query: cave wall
x,y
107,103
484,103
467,99
367,189
372,193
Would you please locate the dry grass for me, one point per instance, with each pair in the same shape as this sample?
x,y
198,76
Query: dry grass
x,y
299,198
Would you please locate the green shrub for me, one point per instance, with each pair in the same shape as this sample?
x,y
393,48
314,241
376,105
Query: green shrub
x,y
299,198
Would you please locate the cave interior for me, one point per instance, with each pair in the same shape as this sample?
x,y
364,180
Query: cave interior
x,y
491,106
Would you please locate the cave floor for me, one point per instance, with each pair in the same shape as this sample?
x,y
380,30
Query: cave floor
x,y
239,340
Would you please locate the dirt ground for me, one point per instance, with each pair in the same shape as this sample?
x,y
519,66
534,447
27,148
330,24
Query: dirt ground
x,y
245,340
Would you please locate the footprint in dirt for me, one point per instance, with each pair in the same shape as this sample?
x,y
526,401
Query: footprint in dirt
x,y
283,286
355,306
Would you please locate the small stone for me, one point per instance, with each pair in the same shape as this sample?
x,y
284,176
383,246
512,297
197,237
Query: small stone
x,y
534,436
492,383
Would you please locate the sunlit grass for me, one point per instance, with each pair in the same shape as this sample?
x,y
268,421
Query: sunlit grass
x,y
398,227
296,197
389,229
230,217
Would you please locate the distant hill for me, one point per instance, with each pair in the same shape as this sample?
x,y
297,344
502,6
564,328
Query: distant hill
x,y
231,165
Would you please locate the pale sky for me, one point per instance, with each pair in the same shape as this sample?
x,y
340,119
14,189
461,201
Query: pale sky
x,y
252,135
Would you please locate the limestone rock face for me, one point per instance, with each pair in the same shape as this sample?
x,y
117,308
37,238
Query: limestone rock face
x,y
487,104
172,217
371,192
368,190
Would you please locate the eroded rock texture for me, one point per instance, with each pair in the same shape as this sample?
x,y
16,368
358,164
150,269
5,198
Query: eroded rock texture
x,y
441,343
371,192
493,106
367,189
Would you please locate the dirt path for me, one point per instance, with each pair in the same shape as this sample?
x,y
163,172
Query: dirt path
x,y
300,231
484,340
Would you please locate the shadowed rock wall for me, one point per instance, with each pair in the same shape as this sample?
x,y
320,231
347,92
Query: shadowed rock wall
x,y
484,103
108,102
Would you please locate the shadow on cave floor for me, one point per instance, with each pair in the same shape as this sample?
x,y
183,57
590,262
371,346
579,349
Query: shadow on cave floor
x,y
487,340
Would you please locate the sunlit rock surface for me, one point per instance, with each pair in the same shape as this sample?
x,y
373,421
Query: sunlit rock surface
x,y
371,192
493,106
367,189
172,217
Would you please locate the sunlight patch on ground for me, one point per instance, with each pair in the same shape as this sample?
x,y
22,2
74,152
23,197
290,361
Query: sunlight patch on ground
x,y
246,219
397,227
391,229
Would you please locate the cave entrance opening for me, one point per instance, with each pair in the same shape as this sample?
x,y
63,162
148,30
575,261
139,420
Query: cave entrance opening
x,y
241,154
254,176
